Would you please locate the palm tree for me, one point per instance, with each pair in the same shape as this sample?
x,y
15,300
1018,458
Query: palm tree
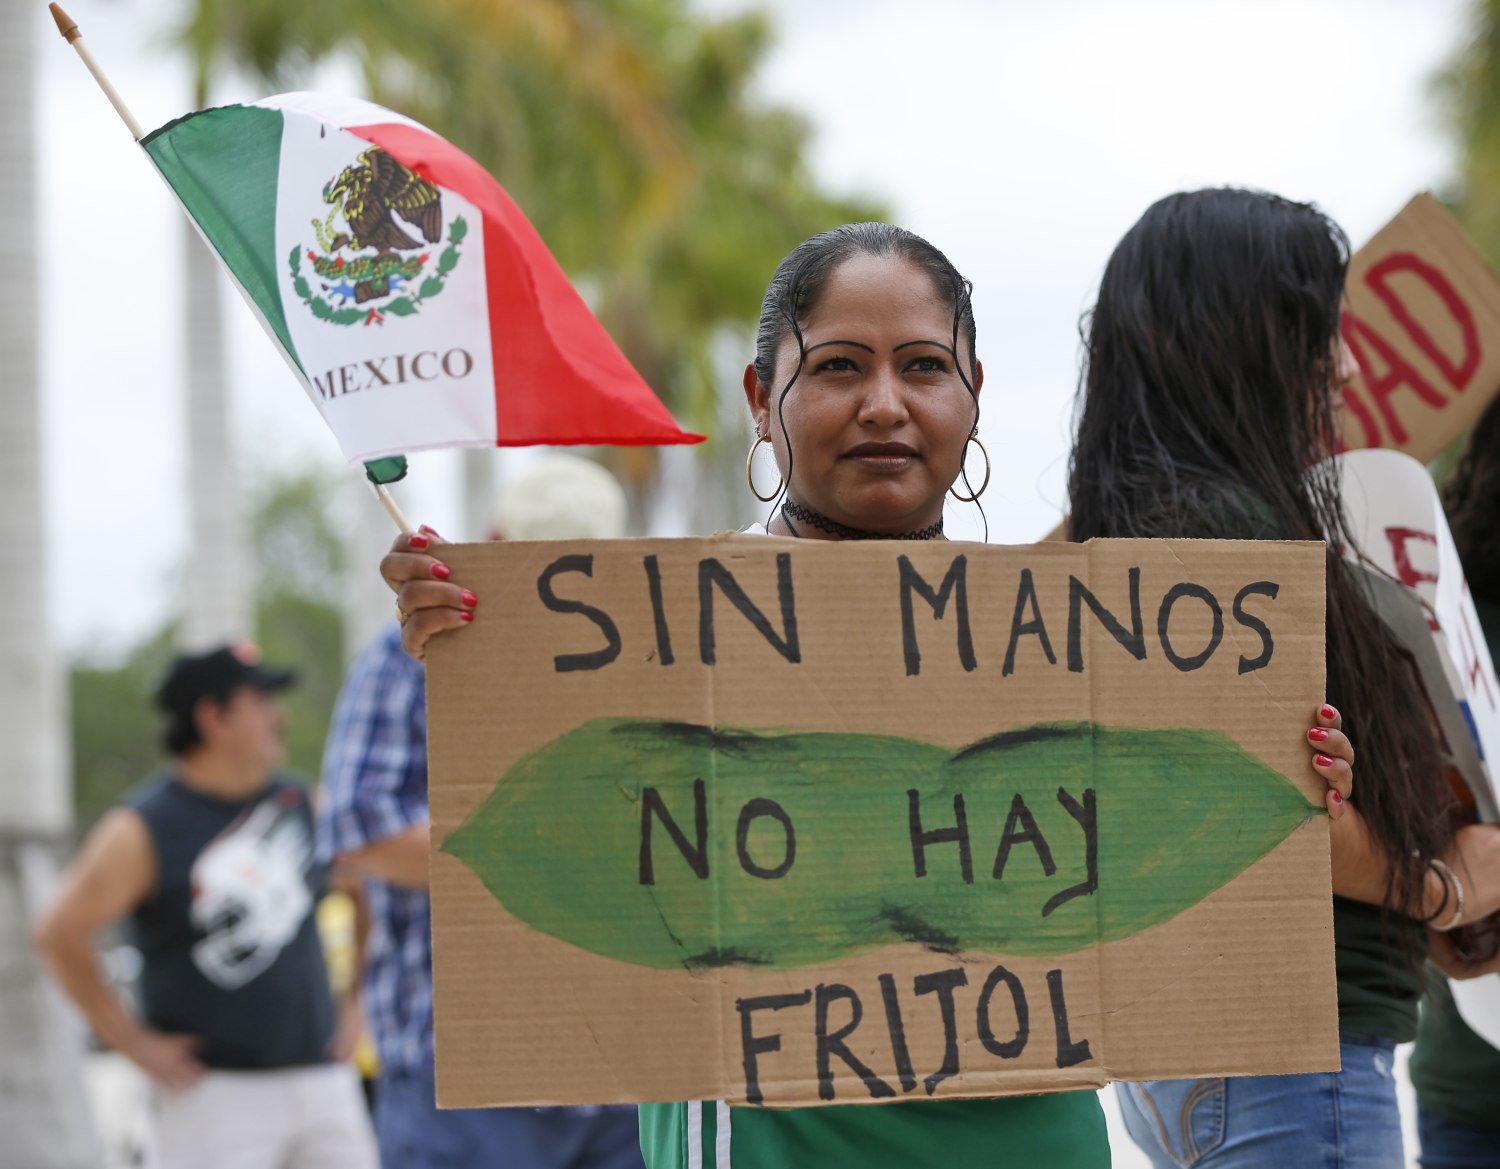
x,y
626,130
1468,95
42,1109
1468,91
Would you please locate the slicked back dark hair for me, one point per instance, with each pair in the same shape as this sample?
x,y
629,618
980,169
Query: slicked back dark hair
x,y
800,278
1206,409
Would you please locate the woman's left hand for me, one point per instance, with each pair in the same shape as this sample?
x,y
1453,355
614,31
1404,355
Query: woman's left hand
x,y
1333,758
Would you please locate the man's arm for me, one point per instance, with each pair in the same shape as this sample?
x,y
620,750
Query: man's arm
x,y
373,811
349,1025
114,872
398,860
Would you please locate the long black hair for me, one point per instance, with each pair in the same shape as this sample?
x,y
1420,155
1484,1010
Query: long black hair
x,y
1206,409
1471,498
798,283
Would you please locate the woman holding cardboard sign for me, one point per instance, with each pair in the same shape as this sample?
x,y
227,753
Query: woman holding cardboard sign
x,y
1206,411
866,386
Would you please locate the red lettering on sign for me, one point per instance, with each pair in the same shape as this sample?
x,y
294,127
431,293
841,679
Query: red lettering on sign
x,y
1458,373
1473,665
1398,373
1406,572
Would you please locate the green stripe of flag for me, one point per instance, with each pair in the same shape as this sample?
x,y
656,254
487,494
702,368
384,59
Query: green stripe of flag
x,y
391,469
223,164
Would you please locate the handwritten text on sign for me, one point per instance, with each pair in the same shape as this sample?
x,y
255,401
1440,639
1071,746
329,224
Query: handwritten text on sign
x,y
797,823
1424,324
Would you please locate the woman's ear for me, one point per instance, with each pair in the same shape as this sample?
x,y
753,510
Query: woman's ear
x,y
978,377
759,398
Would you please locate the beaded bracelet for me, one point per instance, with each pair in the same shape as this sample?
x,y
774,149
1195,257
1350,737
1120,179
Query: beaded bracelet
x,y
1442,905
1447,874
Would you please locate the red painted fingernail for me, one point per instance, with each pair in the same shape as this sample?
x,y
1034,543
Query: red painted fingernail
x,y
1336,797
468,598
1328,712
1322,761
441,571
417,541
1317,734
466,615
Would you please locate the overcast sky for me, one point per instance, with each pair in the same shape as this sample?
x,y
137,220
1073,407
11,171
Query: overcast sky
x,y
1021,136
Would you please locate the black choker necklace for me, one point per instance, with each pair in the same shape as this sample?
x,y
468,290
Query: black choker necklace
x,y
817,519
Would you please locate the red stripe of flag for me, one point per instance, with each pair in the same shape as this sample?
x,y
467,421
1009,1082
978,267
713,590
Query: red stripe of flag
x,y
559,376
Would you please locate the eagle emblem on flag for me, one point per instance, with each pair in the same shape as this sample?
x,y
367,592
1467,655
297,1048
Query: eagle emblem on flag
x,y
379,262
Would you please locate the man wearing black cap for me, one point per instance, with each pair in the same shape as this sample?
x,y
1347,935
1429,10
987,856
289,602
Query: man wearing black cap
x,y
213,863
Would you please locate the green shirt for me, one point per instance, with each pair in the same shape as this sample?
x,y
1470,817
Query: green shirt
x,y
1456,1073
1062,1131
1379,985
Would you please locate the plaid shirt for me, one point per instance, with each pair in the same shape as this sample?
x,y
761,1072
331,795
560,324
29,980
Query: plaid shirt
x,y
375,786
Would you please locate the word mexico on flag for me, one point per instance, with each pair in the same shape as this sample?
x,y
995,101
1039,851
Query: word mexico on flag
x,y
417,303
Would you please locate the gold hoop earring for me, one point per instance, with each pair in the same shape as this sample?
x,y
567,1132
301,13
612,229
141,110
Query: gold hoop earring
x,y
974,438
750,471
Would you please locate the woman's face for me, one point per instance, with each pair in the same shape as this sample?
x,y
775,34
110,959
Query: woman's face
x,y
879,417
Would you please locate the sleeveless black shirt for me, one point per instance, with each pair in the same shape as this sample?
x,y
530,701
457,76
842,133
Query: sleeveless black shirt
x,y
228,939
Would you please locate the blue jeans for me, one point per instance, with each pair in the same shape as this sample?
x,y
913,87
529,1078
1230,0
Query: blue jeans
x,y
1332,1120
1447,1144
413,1134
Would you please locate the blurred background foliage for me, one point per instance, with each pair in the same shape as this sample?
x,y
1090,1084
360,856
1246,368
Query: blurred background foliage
x,y
1467,94
299,623
627,130
630,133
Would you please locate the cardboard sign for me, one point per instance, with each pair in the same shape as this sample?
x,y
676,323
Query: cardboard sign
x,y
1397,519
794,822
1423,320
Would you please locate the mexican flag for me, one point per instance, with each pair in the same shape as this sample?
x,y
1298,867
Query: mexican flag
x,y
415,302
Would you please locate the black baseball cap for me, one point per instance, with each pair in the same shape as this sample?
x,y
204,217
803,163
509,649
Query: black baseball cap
x,y
216,674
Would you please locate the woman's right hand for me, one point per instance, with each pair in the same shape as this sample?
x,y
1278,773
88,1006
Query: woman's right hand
x,y
1333,759
427,600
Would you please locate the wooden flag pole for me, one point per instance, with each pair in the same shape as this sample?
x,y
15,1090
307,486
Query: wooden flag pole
x,y
392,509
68,27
